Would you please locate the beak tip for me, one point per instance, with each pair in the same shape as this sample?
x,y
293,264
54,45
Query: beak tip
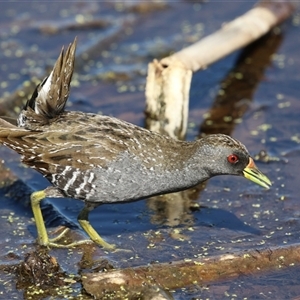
x,y
268,186
252,173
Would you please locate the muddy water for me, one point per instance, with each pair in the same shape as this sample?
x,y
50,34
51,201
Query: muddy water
x,y
259,107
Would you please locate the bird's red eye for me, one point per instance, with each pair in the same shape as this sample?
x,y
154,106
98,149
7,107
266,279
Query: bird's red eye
x,y
232,158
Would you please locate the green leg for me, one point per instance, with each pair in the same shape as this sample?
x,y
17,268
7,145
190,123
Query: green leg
x,y
43,238
36,198
83,219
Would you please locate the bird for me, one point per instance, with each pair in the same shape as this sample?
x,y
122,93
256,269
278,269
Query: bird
x,y
100,159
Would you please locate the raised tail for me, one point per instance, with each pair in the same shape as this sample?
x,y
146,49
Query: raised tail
x,y
50,96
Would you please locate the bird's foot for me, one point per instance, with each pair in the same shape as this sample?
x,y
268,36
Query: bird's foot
x,y
54,242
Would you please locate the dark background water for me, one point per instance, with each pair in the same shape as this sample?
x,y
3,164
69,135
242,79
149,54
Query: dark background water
x,y
120,41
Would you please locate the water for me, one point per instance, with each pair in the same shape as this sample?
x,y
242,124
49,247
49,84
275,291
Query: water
x,y
227,214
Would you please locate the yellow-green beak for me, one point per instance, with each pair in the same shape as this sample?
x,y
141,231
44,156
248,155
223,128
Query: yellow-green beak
x,y
252,173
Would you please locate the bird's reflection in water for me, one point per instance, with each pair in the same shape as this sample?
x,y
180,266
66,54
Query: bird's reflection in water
x,y
176,208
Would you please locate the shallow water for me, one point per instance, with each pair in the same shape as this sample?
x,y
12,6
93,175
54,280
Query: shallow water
x,y
235,214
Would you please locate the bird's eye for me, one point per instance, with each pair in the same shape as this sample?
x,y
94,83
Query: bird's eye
x,y
232,158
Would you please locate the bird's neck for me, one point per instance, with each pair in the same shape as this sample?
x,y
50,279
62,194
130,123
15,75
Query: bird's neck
x,y
185,168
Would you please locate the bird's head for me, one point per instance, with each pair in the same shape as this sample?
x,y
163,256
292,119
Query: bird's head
x,y
224,155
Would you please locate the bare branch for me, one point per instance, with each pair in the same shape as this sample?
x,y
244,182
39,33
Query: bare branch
x,y
185,273
168,82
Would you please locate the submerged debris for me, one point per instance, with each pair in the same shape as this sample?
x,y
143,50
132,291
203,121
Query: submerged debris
x,y
40,269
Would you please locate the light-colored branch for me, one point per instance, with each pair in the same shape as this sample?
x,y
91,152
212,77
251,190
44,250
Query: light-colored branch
x,y
231,37
168,82
167,95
